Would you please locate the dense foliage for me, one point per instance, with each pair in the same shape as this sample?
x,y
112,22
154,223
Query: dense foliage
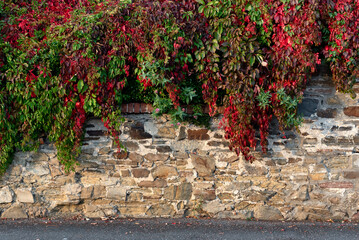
x,y
264,55
62,61
342,45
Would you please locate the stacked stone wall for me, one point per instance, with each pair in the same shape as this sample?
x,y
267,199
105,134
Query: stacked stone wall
x,y
309,174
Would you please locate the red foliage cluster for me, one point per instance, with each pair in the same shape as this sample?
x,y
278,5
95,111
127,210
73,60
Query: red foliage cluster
x,y
342,50
266,56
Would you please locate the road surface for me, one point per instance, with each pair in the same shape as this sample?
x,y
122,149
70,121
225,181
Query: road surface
x,y
173,229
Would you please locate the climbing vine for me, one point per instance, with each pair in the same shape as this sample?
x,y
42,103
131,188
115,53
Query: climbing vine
x,y
62,61
260,53
341,20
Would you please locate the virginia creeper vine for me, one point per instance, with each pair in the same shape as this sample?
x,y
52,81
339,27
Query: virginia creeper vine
x,y
62,61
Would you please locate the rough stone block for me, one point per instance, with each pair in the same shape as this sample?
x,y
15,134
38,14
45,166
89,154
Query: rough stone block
x,y
156,157
267,213
180,155
231,159
24,196
137,132
301,194
72,189
244,206
98,191
351,174
15,171
341,129
310,141
280,161
158,183
258,196
270,163
180,192
140,172
92,211
125,173
103,151
55,170
200,134
38,169
185,174
135,157
207,195
327,113
339,162
344,141
294,160
299,214
317,213
294,170
355,217
329,140
252,170
163,149
134,210
352,111
164,171
167,132
356,139
5,195
237,186
40,157
86,192
318,176
218,143
214,207
225,196
308,107
182,134
15,212
134,197
116,193
204,165
333,100
161,210
131,146
236,214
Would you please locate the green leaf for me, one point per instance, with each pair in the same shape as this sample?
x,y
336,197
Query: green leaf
x,y
252,60
200,9
248,7
220,29
80,85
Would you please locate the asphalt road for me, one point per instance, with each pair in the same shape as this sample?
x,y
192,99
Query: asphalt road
x,y
173,229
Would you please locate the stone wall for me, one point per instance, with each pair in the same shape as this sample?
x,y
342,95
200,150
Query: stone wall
x,y
312,174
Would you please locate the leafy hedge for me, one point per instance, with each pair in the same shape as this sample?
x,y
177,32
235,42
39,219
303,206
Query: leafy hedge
x,y
62,61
